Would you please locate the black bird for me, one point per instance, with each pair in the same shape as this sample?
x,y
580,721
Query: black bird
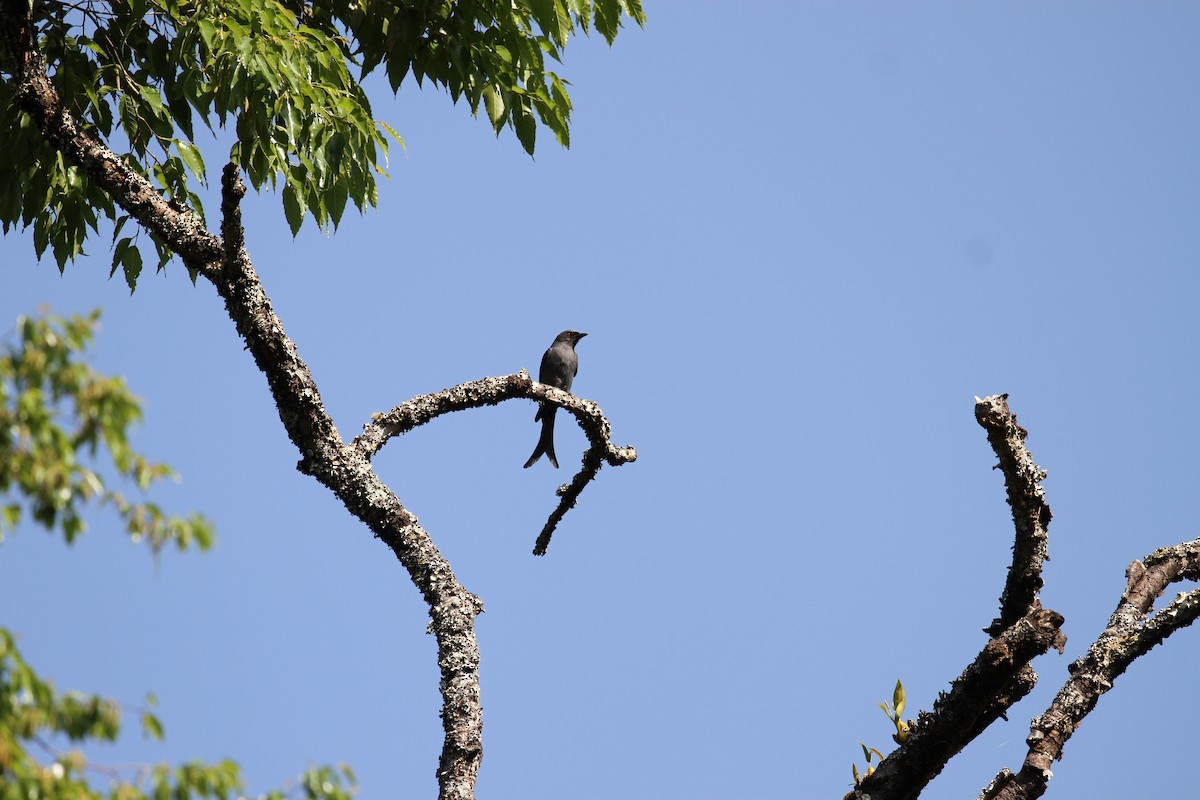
x,y
559,366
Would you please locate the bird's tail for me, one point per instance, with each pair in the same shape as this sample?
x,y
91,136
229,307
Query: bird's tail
x,y
546,440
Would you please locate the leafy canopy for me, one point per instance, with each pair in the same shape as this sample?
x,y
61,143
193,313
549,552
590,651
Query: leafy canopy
x,y
56,415
284,78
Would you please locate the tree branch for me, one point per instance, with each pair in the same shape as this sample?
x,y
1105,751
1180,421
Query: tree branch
x,y
998,677
489,392
232,232
569,495
1030,512
1131,632
341,468
1001,674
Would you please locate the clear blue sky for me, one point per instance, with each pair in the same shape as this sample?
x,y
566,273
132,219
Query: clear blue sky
x,y
802,236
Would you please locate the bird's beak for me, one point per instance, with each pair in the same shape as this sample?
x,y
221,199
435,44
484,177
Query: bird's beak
x,y
579,336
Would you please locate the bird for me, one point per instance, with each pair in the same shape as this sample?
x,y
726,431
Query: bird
x,y
559,367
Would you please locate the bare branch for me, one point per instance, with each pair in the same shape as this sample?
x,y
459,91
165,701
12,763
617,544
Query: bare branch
x,y
348,474
1001,674
1131,632
569,495
489,392
421,409
601,449
1031,514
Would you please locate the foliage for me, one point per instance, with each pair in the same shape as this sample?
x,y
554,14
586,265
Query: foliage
x,y
55,412
894,712
283,76
868,754
33,713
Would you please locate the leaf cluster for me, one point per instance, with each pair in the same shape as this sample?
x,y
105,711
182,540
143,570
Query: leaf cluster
x,y
56,415
492,52
33,714
283,77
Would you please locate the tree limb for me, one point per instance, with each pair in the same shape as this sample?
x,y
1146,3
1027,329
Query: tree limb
x,y
1030,512
998,677
1001,674
338,466
232,232
1131,632
426,407
489,392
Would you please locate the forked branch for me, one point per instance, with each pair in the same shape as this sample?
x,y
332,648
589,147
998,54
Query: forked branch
x,y
1131,632
489,392
1001,674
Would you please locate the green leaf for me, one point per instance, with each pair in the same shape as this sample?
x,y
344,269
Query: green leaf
x,y
118,225
493,101
293,207
391,131
10,515
335,201
151,726
208,32
191,156
131,266
563,21
635,11
524,124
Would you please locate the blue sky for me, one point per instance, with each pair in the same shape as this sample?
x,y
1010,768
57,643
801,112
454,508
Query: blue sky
x,y
802,240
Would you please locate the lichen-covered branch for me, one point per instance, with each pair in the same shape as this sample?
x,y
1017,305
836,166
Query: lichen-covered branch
x,y
568,495
1131,632
1001,674
1030,511
488,392
232,232
998,677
